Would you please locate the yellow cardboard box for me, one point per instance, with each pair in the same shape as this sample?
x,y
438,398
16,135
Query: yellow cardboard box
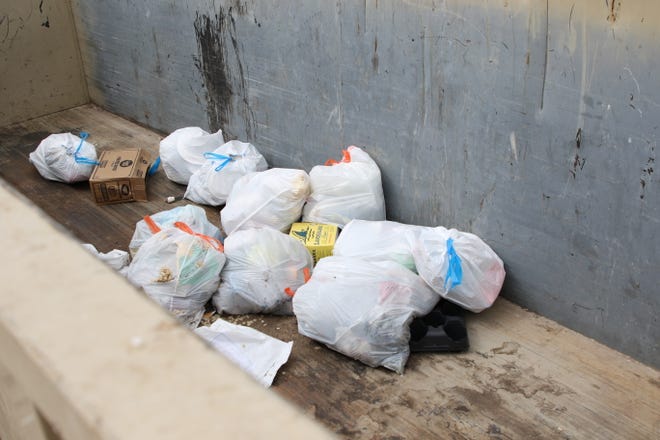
x,y
318,238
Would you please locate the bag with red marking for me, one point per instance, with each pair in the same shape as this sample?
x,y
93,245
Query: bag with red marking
x,y
264,269
345,190
363,309
192,215
179,269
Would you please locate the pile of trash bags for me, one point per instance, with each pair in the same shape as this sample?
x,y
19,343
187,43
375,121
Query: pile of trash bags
x,y
360,301
381,276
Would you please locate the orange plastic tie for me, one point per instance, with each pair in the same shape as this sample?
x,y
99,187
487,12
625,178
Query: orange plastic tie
x,y
306,274
214,242
289,292
153,227
184,227
346,156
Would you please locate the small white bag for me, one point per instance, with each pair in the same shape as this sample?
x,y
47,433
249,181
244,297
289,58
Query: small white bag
x,y
116,258
254,352
213,181
180,270
347,190
64,157
272,198
459,266
363,309
182,152
378,241
264,268
192,215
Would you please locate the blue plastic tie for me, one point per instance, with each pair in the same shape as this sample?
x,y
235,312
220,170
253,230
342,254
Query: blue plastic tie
x,y
80,159
215,156
455,271
154,166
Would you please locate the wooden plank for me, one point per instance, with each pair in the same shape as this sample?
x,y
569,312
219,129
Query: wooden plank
x,y
19,419
524,376
101,361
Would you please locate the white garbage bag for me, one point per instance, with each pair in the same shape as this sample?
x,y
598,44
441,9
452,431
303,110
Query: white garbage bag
x,y
254,352
180,270
116,258
213,181
459,266
182,152
272,198
464,270
347,190
192,215
264,268
65,157
363,309
378,241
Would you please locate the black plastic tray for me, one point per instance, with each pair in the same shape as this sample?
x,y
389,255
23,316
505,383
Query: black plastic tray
x,y
442,330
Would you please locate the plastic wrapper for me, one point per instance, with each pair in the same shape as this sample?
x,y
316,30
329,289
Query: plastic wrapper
x,y
182,152
363,309
116,258
346,190
213,181
459,266
64,157
180,270
264,268
272,198
256,353
193,216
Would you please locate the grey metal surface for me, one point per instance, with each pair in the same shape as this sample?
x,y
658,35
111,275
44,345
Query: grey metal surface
x,y
531,124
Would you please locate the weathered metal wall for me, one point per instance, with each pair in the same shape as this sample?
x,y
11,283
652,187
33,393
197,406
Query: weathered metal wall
x,y
40,67
530,123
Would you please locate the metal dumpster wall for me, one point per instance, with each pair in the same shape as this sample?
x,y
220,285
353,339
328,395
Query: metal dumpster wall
x,y
40,67
530,123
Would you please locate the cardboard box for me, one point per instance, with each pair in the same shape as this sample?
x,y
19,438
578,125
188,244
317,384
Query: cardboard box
x,y
120,176
318,238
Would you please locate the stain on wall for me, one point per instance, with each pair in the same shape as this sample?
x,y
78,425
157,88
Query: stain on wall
x,y
211,64
219,62
614,6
